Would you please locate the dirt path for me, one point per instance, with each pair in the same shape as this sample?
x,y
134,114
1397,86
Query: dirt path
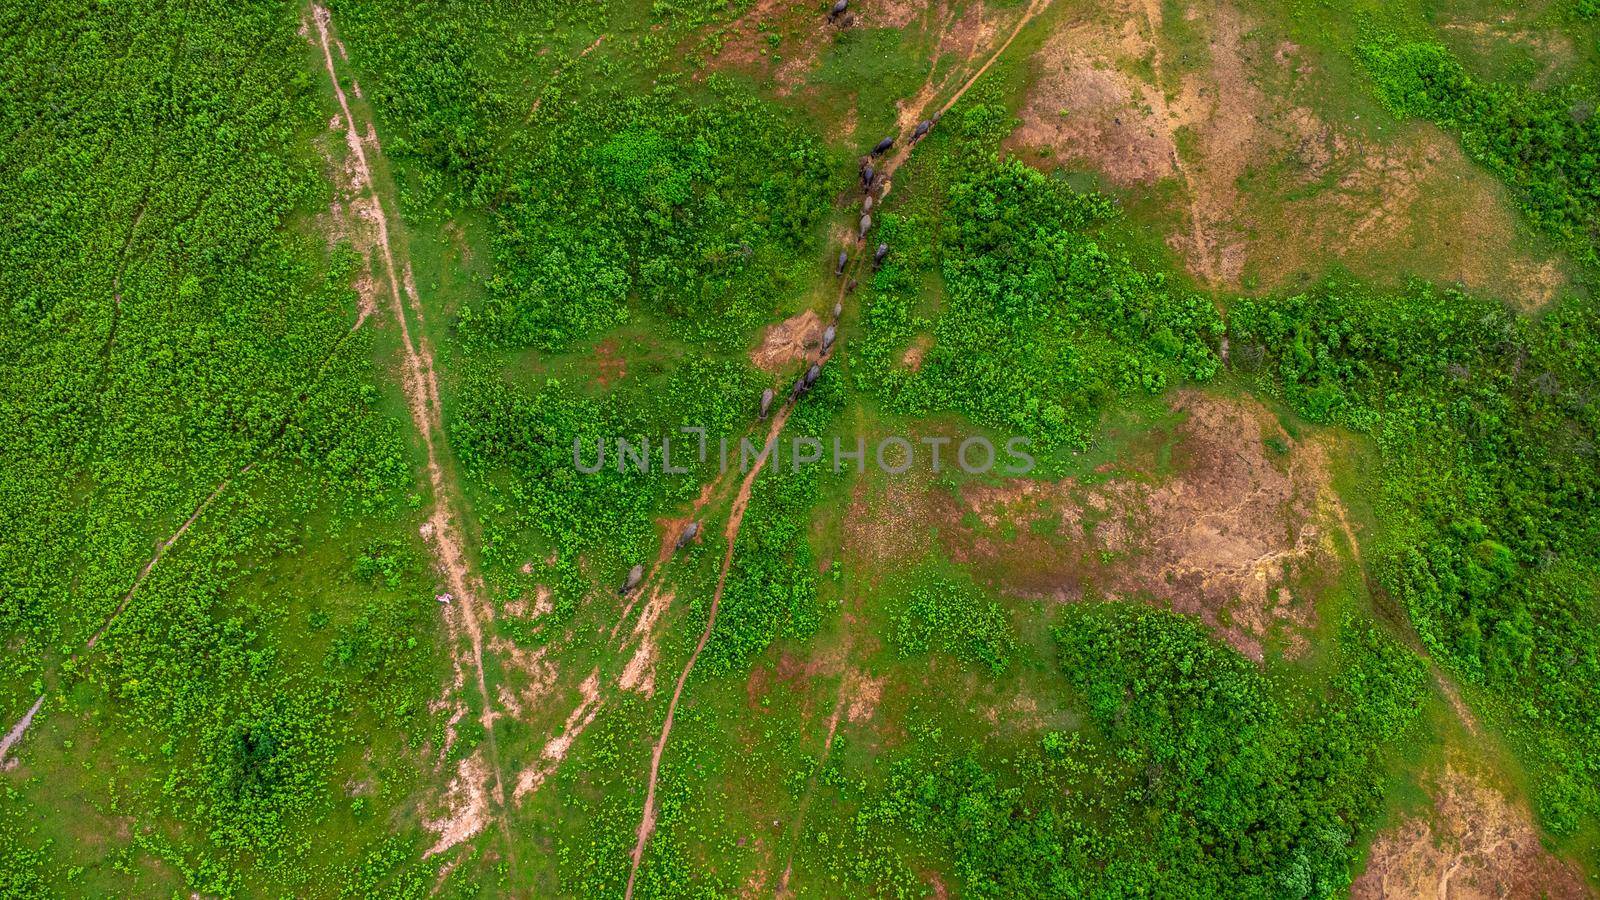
x,y
1206,263
17,730
893,164
143,575
797,828
647,821
741,502
161,551
421,389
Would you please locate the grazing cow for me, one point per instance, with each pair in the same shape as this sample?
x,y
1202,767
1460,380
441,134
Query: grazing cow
x,y
766,403
635,575
838,9
689,531
877,258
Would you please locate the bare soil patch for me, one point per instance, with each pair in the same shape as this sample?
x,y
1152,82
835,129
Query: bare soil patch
x,y
1238,536
610,367
465,805
1476,844
556,749
804,32
889,523
917,352
1085,110
788,342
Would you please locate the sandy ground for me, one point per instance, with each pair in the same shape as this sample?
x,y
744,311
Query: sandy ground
x,y
788,342
555,750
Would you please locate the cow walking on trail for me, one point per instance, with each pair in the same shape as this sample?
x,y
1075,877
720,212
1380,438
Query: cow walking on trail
x,y
635,575
766,403
844,257
828,335
838,9
866,225
812,374
921,129
689,531
838,308
868,174
883,146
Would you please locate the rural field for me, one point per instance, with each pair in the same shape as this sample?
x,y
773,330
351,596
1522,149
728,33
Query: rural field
x,y
747,448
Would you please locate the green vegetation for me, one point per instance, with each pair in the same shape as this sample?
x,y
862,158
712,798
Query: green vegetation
x,y
1042,325
1202,776
957,619
1487,425
179,361
224,575
691,212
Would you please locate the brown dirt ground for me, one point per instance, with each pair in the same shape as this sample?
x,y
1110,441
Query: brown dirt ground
x,y
788,341
465,805
1270,192
556,748
804,28
610,367
806,33
1476,844
914,355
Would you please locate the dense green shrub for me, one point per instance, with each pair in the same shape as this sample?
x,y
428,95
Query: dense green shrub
x,y
1207,777
1041,325
1491,494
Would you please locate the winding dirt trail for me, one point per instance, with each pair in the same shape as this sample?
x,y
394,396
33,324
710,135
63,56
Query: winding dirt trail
x,y
741,501
467,609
